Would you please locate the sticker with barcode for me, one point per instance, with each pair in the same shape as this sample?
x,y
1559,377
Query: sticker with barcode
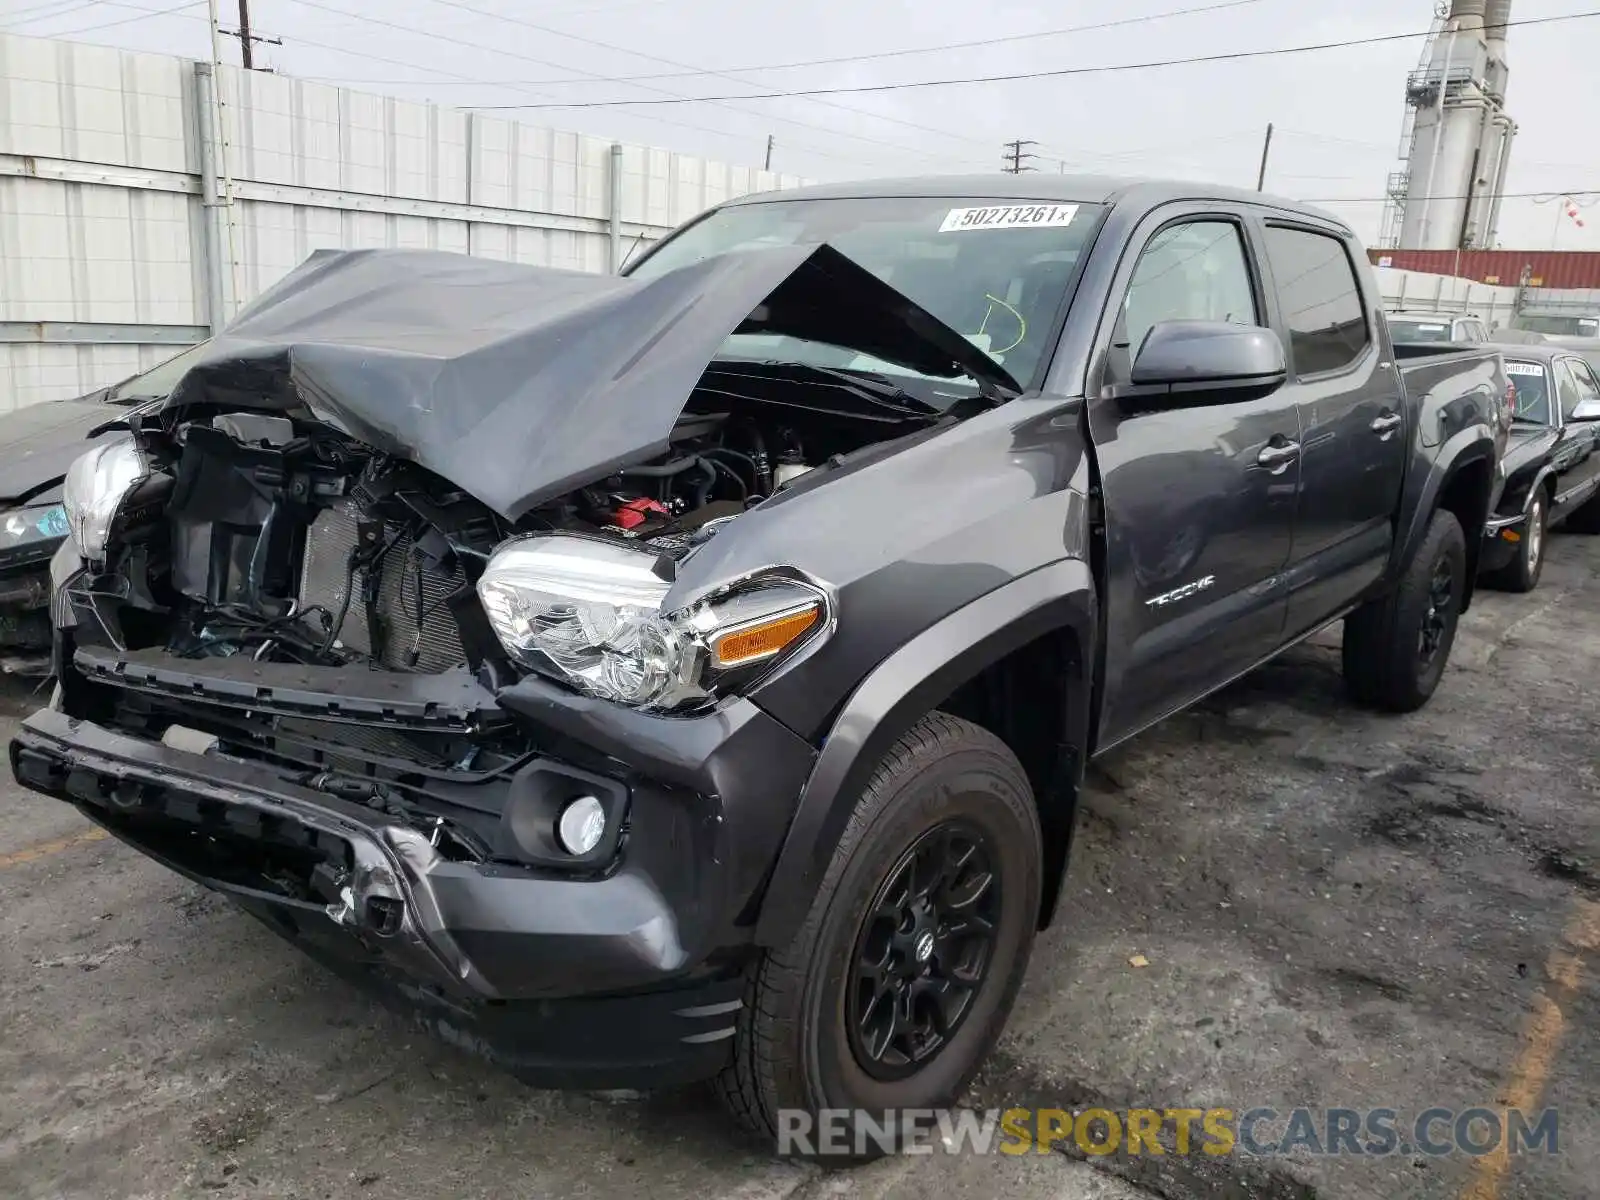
x,y
1009,216
1516,368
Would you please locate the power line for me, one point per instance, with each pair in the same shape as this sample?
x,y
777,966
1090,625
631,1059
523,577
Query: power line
x,y
1541,196
667,97
143,14
65,8
942,48
450,76
443,37
20,17
593,77
1057,73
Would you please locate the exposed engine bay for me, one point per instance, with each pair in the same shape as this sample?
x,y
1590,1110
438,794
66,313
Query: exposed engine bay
x,y
278,538
407,493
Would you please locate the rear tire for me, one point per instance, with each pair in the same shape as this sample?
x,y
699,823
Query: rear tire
x,y
1396,647
821,1026
1522,573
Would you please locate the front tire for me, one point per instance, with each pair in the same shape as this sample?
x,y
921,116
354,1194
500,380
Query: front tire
x,y
904,971
1396,647
1522,573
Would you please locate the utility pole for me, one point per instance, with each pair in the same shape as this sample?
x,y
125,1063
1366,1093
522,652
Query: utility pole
x,y
247,40
244,35
1266,146
768,165
1015,156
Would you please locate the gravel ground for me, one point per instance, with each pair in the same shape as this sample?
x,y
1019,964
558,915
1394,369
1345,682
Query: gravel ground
x,y
1332,909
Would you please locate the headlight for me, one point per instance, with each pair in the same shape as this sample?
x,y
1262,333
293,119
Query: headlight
x,y
588,613
39,523
97,483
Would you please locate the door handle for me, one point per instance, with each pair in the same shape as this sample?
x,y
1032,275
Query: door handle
x,y
1385,425
1277,458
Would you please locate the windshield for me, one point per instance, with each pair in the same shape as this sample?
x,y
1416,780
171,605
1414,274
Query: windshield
x,y
156,383
1559,326
1533,391
1419,331
995,271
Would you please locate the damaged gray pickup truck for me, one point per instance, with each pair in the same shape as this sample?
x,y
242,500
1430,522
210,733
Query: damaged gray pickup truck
x,y
690,675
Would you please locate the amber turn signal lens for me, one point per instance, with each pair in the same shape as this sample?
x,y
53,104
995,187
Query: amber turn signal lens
x,y
763,639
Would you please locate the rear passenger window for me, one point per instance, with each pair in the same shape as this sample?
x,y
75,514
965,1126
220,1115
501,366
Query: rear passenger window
x,y
1320,298
1196,271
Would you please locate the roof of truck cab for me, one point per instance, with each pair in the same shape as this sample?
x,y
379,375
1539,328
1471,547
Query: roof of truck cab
x,y
1083,189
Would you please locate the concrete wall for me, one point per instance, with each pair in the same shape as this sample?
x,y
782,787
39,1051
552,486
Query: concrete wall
x,y
137,207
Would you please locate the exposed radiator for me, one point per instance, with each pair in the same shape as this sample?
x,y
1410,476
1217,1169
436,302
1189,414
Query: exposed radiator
x,y
329,542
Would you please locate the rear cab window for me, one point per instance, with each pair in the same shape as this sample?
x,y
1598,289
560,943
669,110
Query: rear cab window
x,y
1403,329
1319,296
1558,326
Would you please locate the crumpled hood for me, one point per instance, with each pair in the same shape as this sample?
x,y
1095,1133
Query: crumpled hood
x,y
39,442
519,383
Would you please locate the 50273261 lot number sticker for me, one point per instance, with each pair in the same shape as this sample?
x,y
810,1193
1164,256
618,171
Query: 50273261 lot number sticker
x,y
1009,216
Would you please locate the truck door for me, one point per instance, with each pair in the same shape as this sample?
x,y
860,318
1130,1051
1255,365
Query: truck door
x,y
1576,459
1198,500
1351,403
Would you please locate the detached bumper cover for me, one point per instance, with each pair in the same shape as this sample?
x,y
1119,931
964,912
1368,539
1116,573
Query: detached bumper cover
x,y
1502,537
1495,526
565,981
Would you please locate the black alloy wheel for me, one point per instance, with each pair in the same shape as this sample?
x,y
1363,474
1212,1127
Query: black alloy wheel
x,y
891,993
923,948
1396,646
1440,613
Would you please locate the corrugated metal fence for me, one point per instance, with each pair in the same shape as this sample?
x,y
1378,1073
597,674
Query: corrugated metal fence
x,y
1496,305
142,201
1547,269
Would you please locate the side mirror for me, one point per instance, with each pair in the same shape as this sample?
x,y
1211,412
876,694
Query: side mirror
x,y
1210,356
1587,410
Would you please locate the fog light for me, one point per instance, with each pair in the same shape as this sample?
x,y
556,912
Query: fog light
x,y
582,825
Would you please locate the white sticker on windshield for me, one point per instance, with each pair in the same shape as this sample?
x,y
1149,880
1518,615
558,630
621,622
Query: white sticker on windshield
x,y
1009,216
1433,328
1516,368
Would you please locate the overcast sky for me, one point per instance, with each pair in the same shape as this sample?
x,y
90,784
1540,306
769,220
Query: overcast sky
x,y
1337,113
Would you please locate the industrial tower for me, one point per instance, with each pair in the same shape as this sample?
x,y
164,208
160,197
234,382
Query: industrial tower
x,y
1456,140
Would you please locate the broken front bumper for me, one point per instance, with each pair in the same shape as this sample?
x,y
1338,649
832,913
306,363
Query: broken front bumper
x,y
24,599
628,979
1502,539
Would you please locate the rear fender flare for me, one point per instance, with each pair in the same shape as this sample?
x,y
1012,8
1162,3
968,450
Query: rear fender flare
x,y
898,692
1465,448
